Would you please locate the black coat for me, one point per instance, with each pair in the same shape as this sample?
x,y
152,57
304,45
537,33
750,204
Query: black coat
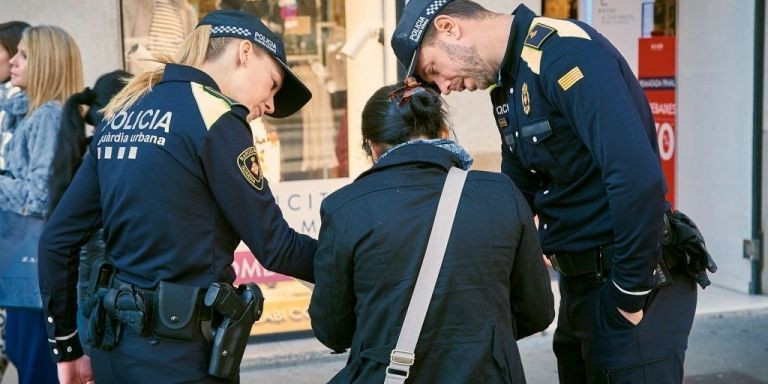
x,y
493,287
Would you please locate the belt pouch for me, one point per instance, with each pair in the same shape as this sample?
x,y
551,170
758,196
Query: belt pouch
x,y
176,311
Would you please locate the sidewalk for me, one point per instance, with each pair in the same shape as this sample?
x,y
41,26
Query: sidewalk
x,y
275,354
266,358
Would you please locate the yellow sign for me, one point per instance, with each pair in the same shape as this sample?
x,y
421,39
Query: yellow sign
x,y
286,308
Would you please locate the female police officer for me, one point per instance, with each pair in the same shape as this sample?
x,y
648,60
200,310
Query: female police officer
x,y
174,180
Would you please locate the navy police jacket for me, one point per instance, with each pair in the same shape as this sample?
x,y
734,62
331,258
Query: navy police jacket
x,y
579,140
176,183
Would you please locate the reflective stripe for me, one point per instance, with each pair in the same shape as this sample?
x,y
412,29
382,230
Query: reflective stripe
x,y
641,293
211,107
67,337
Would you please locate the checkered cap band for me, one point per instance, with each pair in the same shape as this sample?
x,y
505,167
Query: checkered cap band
x,y
435,6
229,30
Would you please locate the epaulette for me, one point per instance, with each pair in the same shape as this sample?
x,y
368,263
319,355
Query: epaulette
x,y
537,35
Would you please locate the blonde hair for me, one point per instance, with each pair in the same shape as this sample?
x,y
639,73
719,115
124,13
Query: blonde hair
x,y
196,49
54,67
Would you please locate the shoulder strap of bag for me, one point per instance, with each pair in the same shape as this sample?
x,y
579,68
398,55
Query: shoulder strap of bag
x,y
402,357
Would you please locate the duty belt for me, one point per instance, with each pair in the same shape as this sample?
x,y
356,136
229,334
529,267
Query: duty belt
x,y
590,262
594,261
171,310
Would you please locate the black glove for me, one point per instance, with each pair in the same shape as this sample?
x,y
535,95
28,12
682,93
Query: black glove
x,y
683,240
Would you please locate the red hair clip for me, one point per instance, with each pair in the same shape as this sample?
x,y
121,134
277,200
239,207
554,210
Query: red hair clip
x,y
411,87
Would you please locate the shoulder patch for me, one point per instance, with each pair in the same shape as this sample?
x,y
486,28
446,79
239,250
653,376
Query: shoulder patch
x,y
564,28
210,103
570,78
537,35
248,163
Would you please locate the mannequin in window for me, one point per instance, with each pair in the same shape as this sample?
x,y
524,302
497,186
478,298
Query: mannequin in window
x,y
154,27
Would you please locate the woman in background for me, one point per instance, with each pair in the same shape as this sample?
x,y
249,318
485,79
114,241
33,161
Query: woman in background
x,y
82,108
13,104
48,68
10,97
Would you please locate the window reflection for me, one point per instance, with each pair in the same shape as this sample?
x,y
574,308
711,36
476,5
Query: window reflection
x,y
311,144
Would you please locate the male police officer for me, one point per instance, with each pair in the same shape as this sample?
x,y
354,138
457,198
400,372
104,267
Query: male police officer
x,y
174,179
579,140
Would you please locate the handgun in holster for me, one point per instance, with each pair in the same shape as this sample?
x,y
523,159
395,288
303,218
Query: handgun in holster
x,y
240,308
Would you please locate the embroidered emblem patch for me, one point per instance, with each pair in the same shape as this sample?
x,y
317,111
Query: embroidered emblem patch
x,y
248,163
526,99
538,34
570,78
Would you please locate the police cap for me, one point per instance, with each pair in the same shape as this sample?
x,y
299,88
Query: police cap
x,y
231,23
416,18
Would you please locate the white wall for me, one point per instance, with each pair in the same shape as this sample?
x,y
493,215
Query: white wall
x,y
365,73
94,24
715,74
620,21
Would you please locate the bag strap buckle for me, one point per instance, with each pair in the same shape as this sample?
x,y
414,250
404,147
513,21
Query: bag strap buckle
x,y
402,357
400,363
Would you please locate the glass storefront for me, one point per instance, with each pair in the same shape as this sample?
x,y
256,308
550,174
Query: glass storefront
x,y
311,144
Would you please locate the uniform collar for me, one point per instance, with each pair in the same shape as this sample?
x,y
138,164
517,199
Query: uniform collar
x,y
519,30
415,153
178,72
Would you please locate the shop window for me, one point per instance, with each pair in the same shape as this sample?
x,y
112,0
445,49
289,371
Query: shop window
x,y
560,9
664,16
311,144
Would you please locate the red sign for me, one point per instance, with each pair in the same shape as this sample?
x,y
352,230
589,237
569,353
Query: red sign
x,y
656,72
248,269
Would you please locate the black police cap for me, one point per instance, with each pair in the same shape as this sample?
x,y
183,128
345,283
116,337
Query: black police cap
x,y
231,23
416,18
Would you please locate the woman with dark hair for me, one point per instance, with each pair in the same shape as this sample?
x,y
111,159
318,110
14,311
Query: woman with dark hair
x,y
492,289
71,142
12,109
13,104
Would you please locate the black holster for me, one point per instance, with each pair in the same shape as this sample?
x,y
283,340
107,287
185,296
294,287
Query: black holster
x,y
240,308
103,329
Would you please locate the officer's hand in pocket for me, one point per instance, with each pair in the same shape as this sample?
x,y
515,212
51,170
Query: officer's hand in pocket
x,y
633,317
76,371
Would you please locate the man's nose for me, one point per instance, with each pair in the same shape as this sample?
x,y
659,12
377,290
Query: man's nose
x,y
444,85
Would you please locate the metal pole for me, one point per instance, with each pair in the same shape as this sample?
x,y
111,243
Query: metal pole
x,y
757,146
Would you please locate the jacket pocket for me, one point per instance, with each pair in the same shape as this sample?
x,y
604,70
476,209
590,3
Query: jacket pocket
x,y
535,138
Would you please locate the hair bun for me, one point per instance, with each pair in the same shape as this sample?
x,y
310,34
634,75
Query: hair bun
x,y
425,104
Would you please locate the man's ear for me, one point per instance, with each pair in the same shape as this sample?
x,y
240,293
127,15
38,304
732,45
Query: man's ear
x,y
447,27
